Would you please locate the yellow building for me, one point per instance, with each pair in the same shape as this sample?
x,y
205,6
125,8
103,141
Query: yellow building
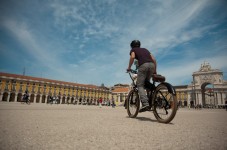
x,y
119,93
13,87
207,89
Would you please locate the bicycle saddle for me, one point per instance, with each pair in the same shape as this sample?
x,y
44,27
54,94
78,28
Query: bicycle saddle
x,y
158,78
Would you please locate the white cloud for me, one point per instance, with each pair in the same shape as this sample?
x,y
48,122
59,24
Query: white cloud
x,y
95,35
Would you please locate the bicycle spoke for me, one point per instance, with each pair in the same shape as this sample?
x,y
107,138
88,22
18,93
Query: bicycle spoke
x,y
164,109
133,104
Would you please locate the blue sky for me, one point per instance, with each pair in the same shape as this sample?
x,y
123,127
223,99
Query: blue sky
x,y
87,41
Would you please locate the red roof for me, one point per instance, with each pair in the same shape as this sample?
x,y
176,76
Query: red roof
x,y
121,90
16,76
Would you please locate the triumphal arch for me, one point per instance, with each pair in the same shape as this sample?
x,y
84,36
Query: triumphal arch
x,y
208,87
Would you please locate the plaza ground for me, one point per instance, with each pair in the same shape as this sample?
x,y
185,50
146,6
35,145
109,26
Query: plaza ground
x,y
44,126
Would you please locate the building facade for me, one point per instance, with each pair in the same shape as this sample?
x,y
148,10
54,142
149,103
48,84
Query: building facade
x,y
13,87
119,93
206,89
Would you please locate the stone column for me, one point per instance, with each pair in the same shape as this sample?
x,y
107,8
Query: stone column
x,y
40,98
70,100
188,99
199,98
60,99
1,95
8,97
222,98
46,99
35,96
15,100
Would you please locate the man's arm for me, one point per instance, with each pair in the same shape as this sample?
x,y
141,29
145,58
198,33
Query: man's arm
x,y
131,60
155,63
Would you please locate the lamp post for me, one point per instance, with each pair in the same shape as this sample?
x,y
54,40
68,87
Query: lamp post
x,y
194,91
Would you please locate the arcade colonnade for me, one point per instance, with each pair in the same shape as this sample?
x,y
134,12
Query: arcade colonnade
x,y
12,88
208,88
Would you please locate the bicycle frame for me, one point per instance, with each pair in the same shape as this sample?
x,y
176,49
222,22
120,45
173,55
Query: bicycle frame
x,y
150,87
161,98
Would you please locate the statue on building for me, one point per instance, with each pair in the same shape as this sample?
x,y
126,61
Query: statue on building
x,y
205,67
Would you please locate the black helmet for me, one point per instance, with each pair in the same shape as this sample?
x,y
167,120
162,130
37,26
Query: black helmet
x,y
135,43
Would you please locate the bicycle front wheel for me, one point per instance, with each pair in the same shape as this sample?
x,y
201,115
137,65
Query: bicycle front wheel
x,y
164,104
133,103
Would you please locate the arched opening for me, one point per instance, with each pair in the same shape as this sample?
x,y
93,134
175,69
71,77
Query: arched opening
x,y
43,98
180,103
32,98
208,95
88,101
38,98
63,100
72,99
5,96
185,103
12,97
80,100
48,99
19,97
67,100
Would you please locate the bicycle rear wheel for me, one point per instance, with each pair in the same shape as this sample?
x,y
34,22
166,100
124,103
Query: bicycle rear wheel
x,y
164,104
133,104
28,102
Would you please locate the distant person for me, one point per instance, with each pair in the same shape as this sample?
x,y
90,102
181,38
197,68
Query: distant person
x,y
26,96
113,103
226,105
146,68
100,102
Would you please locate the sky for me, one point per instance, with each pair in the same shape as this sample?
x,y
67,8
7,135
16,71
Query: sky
x,y
88,41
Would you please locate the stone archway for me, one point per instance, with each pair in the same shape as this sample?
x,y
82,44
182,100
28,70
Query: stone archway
x,y
32,98
38,98
207,90
5,96
207,86
185,103
43,98
72,99
68,100
19,97
12,97
63,100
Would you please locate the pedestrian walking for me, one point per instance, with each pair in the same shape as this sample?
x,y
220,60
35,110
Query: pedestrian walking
x,y
226,105
113,103
100,102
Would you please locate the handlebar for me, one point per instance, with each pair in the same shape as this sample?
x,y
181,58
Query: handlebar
x,y
131,71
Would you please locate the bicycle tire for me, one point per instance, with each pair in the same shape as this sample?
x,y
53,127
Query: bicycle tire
x,y
28,102
133,103
164,104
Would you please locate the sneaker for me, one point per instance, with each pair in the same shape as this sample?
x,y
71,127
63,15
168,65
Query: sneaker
x,y
145,108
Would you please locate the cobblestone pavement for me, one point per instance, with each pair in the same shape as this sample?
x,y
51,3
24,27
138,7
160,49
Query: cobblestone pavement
x,y
44,126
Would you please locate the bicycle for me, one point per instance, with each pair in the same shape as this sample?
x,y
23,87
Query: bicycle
x,y
24,100
162,98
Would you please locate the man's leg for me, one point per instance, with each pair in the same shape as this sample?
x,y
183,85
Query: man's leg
x,y
140,83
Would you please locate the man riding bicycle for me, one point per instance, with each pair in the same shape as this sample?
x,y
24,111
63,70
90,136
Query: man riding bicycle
x,y
146,68
26,96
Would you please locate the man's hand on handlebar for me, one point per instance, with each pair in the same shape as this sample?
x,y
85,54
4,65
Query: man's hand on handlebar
x,y
131,71
128,70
